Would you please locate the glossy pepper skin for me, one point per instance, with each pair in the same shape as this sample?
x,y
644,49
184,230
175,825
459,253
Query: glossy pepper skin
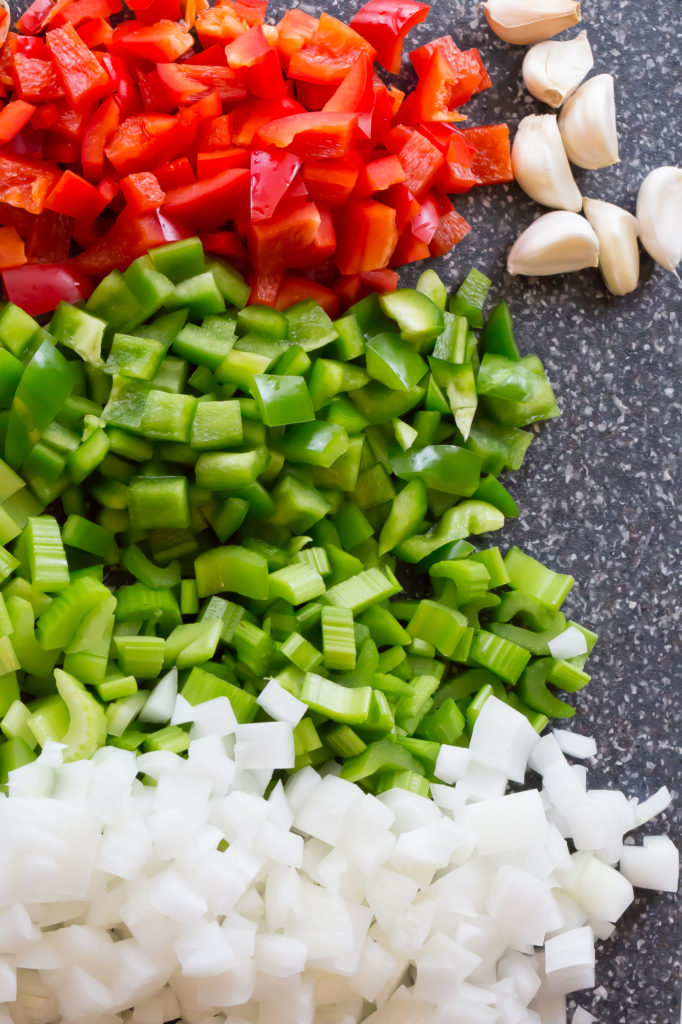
x,y
385,23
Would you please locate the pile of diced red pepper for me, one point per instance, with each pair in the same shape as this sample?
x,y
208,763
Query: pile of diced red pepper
x,y
278,144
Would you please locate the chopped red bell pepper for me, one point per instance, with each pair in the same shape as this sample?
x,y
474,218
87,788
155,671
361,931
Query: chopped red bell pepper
x,y
129,236
228,20
265,286
313,134
49,239
175,174
322,246
73,196
271,242
229,84
98,130
39,288
35,80
142,192
252,54
215,134
271,176
366,235
26,183
403,202
224,243
253,115
293,32
331,181
34,17
380,174
13,117
96,32
385,23
451,230
124,90
79,11
163,41
492,162
83,78
356,93
143,141
409,249
217,160
329,54
62,151
421,162
12,249
210,201
295,289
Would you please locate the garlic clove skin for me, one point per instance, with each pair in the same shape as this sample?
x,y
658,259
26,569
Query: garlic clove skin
x,y
659,213
5,20
556,243
529,21
541,166
617,231
553,70
587,123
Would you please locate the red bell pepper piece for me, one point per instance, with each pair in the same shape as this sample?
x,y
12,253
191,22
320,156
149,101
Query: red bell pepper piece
x,y
40,287
452,229
485,81
296,289
330,53
98,130
206,108
229,85
425,223
83,78
252,54
322,247
228,20
409,249
271,243
26,183
35,80
215,134
165,88
331,181
265,286
96,32
49,238
251,116
421,161
217,160
174,174
385,23
366,235
293,32
207,204
31,46
312,96
492,162
224,243
356,93
13,117
271,176
213,56
313,134
142,192
73,196
124,90
379,174
403,202
151,11
143,141
163,41
79,11
33,19
12,250
447,81
62,151
129,236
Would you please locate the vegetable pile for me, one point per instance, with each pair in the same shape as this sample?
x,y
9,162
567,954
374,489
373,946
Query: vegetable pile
x,y
204,896
295,463
278,144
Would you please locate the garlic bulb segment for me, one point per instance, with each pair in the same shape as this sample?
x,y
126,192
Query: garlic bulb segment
x,y
552,70
587,123
617,232
541,166
556,243
5,20
530,21
659,212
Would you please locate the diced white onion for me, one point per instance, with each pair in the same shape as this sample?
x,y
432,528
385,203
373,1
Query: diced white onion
x,y
569,644
575,745
280,704
654,865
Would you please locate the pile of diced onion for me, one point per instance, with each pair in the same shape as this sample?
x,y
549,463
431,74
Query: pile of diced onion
x,y
152,888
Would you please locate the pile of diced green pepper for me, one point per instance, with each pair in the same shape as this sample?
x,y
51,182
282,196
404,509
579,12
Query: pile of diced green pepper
x,y
192,482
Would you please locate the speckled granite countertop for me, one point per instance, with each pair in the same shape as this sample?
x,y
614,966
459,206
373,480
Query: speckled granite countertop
x,y
600,490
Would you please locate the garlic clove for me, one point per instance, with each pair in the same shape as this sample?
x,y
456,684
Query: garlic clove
x,y
556,243
587,123
659,212
541,166
552,70
529,21
617,232
5,20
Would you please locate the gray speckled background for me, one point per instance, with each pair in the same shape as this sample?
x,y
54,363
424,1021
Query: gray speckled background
x,y
600,489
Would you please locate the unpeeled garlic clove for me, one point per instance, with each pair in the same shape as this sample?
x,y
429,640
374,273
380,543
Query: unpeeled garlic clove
x,y
617,232
529,21
556,243
5,20
553,70
541,166
659,212
587,123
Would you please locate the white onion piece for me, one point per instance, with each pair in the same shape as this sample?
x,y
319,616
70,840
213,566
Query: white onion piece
x,y
655,805
654,865
160,703
569,644
575,745
280,704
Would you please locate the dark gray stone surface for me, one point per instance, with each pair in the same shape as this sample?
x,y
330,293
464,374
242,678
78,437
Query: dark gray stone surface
x,y
600,489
